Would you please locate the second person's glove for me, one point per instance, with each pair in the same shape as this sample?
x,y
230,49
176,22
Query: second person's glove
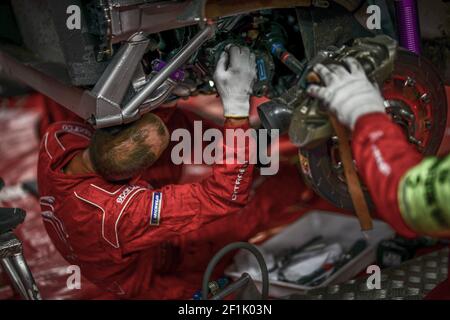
x,y
349,94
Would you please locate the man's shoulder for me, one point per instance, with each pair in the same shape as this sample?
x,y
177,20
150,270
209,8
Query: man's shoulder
x,y
61,137
111,201
71,128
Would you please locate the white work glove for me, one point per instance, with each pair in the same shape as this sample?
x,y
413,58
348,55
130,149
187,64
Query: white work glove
x,y
349,95
234,77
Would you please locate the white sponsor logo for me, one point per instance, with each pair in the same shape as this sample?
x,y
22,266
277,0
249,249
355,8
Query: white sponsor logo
x,y
121,198
384,167
237,183
376,135
76,129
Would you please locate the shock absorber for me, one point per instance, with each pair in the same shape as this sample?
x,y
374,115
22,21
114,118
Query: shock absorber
x,y
408,25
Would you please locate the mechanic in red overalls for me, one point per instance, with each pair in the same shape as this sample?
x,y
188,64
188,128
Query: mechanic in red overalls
x,y
125,235
411,193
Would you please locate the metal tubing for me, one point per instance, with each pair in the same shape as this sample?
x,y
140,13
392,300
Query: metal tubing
x,y
26,277
21,277
132,107
158,97
233,287
16,281
228,248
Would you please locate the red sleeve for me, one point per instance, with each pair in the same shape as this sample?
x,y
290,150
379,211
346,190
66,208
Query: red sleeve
x,y
158,215
383,155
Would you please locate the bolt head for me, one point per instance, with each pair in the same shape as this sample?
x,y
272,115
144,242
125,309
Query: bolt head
x,y
409,82
425,98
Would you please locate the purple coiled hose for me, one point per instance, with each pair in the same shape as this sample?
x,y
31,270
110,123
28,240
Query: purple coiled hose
x,y
408,25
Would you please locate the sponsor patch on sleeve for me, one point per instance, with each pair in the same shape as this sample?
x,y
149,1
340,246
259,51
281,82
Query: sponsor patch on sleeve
x,y
155,209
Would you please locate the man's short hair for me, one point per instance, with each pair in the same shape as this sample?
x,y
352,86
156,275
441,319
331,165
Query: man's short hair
x,y
120,153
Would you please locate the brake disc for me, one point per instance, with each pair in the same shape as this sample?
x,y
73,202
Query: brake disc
x,y
415,98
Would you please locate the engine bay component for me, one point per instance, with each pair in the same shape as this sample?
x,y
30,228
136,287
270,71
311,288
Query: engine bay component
x,y
264,62
275,42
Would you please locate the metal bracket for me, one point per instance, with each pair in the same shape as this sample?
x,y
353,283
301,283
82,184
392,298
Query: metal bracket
x,y
105,98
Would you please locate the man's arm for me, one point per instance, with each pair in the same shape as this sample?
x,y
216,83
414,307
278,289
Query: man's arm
x,y
155,215
383,156
412,196
410,193
424,197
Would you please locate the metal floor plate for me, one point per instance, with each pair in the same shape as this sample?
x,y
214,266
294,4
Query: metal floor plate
x,y
413,280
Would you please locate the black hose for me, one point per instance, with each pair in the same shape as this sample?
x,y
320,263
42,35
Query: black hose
x,y
233,246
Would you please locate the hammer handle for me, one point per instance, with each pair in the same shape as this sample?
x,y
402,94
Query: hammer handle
x,y
354,185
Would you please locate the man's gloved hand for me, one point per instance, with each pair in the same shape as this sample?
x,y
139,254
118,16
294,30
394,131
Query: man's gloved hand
x,y
234,77
349,95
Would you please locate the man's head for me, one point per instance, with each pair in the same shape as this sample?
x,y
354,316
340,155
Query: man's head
x,y
120,154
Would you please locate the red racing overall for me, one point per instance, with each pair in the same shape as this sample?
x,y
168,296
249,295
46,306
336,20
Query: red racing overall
x,y
124,236
384,157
